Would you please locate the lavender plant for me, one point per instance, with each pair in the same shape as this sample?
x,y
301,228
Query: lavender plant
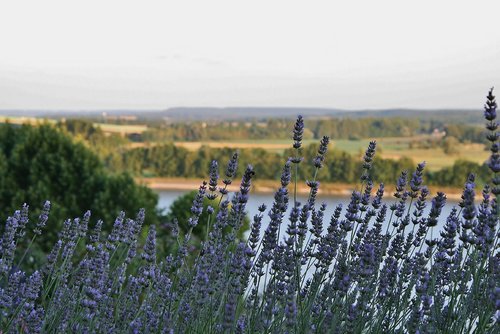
x,y
305,273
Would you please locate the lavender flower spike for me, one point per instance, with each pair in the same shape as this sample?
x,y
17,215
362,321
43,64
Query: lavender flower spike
x,y
197,207
320,157
232,166
42,220
298,132
149,253
368,159
438,203
490,107
416,180
212,183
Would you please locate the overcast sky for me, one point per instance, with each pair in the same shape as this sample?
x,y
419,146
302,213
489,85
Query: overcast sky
x,y
159,54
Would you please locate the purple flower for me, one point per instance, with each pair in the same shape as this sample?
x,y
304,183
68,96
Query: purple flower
x,y
34,320
23,221
420,205
388,278
334,220
314,185
437,205
490,108
494,163
416,180
241,325
280,205
212,183
401,184
317,221
52,257
304,216
84,225
495,297
255,231
293,218
368,160
290,312
377,200
286,174
240,200
401,205
139,220
117,230
449,232
96,233
42,219
352,211
149,253
33,287
298,132
197,207
8,243
365,198
246,183
367,260
231,168
320,157
221,219
468,207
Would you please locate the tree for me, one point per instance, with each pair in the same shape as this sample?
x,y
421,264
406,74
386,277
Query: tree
x,y
451,145
42,163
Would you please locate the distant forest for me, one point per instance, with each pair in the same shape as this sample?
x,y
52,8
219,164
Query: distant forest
x,y
344,128
168,160
171,161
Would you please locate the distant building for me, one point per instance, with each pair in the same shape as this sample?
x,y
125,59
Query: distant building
x,y
436,133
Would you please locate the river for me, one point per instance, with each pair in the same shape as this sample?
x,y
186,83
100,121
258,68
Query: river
x,y
166,198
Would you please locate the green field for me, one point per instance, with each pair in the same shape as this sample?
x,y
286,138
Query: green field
x,y
395,148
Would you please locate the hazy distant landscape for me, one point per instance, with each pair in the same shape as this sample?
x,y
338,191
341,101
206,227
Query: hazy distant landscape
x,y
251,113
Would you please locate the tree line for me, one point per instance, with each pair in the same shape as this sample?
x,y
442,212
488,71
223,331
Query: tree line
x,y
340,167
338,128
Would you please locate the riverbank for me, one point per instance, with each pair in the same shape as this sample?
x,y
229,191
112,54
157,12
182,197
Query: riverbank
x,y
270,186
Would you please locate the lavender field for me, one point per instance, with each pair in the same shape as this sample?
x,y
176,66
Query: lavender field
x,y
377,262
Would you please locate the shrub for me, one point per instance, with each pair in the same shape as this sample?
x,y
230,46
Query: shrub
x,y
377,266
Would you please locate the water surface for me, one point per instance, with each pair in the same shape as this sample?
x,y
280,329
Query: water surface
x,y
167,197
